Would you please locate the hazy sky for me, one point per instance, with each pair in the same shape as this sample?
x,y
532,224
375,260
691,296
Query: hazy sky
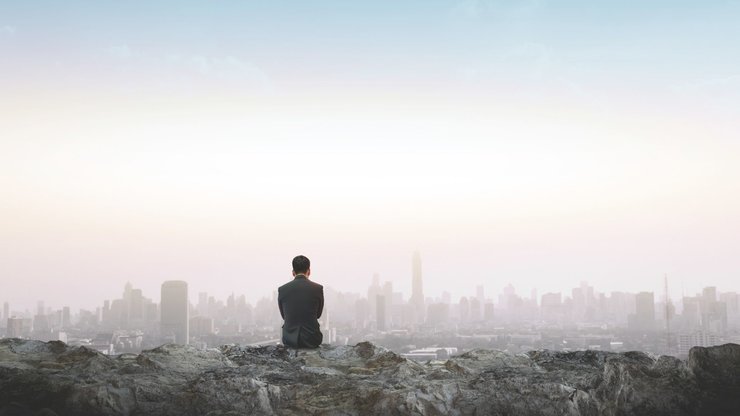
x,y
534,142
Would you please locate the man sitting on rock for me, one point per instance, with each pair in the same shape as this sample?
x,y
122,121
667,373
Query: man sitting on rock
x,y
301,302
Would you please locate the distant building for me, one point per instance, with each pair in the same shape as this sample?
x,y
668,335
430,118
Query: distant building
x,y
174,310
380,313
15,327
475,309
488,312
464,309
6,312
41,328
201,326
362,310
644,317
432,353
66,318
438,313
713,313
696,339
551,307
480,294
417,288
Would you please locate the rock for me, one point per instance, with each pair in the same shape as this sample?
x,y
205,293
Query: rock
x,y
38,378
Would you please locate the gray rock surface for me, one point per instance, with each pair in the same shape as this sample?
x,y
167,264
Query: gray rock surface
x,y
48,378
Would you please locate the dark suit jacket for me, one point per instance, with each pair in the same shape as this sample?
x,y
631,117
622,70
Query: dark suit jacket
x,y
301,302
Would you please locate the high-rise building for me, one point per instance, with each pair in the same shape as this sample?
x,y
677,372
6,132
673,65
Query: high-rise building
x,y
464,308
66,318
551,306
644,317
713,313
6,312
174,311
373,291
41,327
201,325
691,313
696,339
203,303
438,313
380,313
136,307
15,327
476,309
488,312
388,295
362,310
417,289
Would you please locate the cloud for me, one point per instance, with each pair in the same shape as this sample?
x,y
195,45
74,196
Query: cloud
x,y
121,52
8,30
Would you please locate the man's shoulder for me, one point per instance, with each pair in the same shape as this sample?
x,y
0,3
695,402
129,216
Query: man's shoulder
x,y
286,285
300,283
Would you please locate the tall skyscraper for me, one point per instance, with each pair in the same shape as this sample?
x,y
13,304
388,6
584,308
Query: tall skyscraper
x,y
388,295
66,318
645,310
15,327
174,311
417,289
6,311
380,313
203,303
464,307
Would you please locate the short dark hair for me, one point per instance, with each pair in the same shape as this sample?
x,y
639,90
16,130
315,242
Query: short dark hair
x,y
301,264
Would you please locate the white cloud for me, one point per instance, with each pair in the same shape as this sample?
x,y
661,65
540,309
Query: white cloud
x,y
8,30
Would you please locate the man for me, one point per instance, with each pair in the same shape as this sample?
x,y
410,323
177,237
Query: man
x,y
301,302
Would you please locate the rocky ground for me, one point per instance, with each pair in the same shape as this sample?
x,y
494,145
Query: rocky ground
x,y
51,378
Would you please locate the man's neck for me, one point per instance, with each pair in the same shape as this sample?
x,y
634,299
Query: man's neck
x,y
301,275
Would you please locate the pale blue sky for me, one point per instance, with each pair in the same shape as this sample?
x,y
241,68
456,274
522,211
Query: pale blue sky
x,y
537,142
549,47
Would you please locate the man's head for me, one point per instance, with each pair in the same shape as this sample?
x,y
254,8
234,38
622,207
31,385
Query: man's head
x,y
301,265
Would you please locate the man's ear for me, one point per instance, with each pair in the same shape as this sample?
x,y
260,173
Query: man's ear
x,y
293,273
308,272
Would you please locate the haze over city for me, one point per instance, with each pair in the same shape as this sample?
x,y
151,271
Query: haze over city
x,y
535,143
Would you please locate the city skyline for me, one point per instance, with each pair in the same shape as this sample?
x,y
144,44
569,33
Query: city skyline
x,y
582,318
177,289
406,286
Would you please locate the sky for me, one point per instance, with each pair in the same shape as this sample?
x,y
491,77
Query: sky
x,y
538,143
